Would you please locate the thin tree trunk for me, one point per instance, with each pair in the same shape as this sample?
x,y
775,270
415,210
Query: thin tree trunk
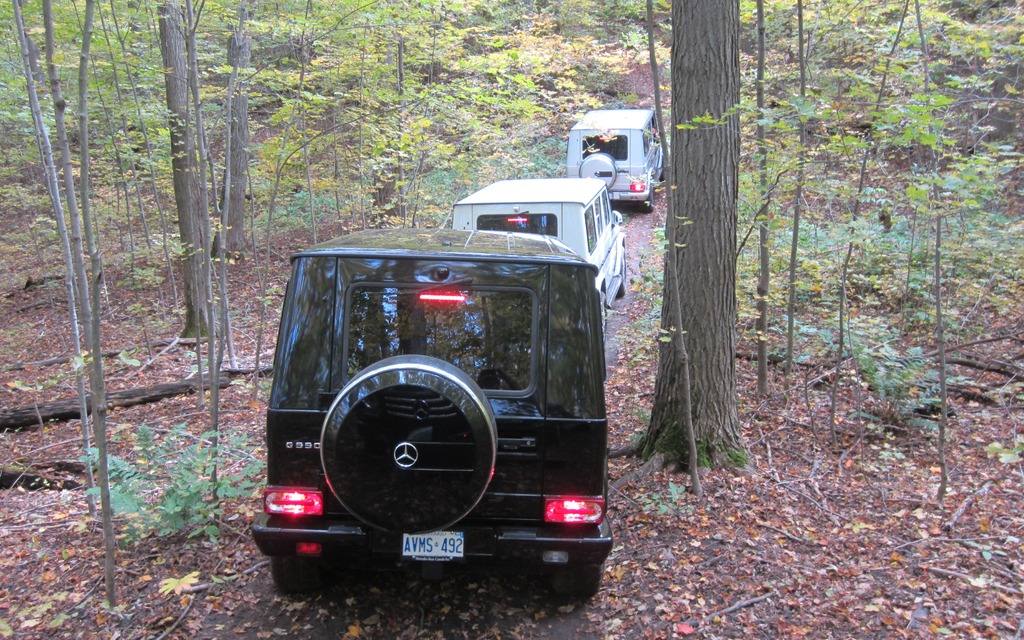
x,y
78,279
303,124
764,277
185,166
214,329
400,180
98,384
74,263
940,337
236,167
797,199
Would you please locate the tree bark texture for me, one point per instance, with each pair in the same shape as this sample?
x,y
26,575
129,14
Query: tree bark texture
x,y
239,55
185,165
705,171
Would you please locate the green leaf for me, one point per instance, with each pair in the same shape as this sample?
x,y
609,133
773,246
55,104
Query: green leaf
x,y
126,359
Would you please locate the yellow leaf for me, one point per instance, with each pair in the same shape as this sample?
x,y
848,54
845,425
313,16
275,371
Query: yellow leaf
x,y
176,585
352,633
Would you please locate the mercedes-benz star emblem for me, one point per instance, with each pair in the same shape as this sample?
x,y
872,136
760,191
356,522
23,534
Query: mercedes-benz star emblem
x,y
406,454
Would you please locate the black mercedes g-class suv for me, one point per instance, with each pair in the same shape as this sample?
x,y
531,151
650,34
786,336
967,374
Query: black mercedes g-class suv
x,y
438,403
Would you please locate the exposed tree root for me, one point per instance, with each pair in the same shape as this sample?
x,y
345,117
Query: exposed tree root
x,y
657,463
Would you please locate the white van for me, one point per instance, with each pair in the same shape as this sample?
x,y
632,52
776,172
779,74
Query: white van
x,y
577,212
622,147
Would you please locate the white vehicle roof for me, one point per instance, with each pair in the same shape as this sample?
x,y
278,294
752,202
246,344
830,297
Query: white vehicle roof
x,y
581,190
606,119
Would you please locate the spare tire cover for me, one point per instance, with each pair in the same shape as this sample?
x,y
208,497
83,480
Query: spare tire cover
x,y
409,444
600,166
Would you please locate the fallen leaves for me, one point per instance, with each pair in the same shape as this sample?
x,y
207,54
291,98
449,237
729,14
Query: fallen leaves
x,y
179,585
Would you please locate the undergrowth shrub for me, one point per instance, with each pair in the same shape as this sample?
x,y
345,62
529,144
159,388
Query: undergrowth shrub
x,y
903,383
168,487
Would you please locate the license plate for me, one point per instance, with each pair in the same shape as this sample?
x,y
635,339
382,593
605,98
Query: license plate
x,y
437,545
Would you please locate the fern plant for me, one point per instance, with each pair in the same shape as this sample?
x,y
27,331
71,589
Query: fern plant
x,y
168,487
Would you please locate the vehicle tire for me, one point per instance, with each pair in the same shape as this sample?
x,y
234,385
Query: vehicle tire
x,y
623,277
604,311
297,574
600,166
578,582
409,444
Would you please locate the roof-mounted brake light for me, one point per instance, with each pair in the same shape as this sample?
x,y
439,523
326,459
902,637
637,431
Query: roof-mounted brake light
x,y
441,296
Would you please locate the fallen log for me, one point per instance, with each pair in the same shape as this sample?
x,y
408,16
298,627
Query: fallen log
x,y
18,366
60,475
33,416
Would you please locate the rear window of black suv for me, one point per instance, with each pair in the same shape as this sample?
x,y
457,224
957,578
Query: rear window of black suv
x,y
487,333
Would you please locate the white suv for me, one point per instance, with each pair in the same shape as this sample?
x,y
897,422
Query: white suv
x,y
622,147
577,212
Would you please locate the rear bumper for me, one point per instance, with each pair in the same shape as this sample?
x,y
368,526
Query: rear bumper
x,y
631,196
523,549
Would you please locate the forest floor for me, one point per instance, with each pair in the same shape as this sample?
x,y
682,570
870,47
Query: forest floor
x,y
828,533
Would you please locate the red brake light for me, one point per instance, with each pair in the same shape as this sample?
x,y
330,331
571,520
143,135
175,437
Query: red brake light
x,y
442,297
293,501
637,186
308,548
574,510
518,220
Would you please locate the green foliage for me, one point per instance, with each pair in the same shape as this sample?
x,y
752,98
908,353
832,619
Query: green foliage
x,y
49,607
356,108
669,501
1012,454
902,383
167,487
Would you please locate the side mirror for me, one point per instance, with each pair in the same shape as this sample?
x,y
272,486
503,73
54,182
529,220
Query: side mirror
x,y
616,217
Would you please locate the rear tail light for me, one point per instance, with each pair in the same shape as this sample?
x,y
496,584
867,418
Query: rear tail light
x,y
638,186
293,501
443,297
308,549
574,510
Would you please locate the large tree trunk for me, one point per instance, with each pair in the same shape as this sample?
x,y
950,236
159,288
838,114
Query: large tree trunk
x,y
236,179
705,171
185,166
